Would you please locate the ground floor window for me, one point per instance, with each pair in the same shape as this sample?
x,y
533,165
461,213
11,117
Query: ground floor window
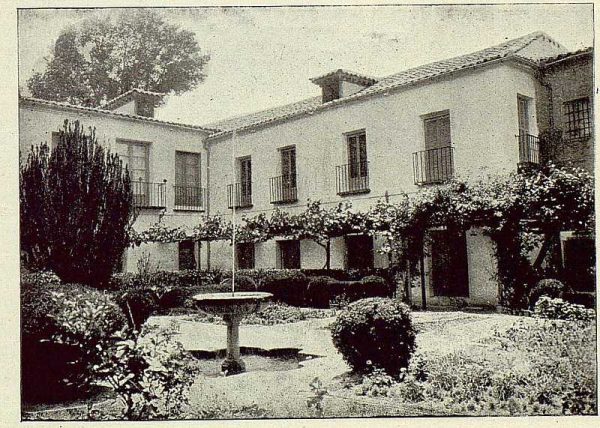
x,y
289,254
187,255
359,251
580,259
449,264
245,255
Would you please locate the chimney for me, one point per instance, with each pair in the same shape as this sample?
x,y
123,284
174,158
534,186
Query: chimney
x,y
341,83
137,102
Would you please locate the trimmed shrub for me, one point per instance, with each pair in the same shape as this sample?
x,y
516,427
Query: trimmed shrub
x,y
375,333
321,290
242,283
288,286
56,317
374,286
561,310
552,288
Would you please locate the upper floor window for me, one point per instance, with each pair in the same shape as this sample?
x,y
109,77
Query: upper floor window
x,y
357,154
578,122
435,164
188,192
245,176
144,108
135,155
288,166
524,112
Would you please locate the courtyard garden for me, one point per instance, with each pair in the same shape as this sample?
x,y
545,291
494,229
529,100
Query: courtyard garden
x,y
98,344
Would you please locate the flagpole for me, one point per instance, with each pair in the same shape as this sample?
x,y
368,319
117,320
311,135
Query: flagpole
x,y
233,195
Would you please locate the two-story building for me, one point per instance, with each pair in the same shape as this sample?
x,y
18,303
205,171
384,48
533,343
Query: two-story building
x,y
167,164
365,139
360,139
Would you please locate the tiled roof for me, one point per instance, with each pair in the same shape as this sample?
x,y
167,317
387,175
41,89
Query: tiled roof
x,y
553,59
266,115
113,113
516,48
121,99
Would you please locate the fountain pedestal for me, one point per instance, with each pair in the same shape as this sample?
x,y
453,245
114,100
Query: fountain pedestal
x,y
232,307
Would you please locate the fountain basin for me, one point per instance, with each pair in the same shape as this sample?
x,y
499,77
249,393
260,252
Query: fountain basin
x,y
239,303
232,307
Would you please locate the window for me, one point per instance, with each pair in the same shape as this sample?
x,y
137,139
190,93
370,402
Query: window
x,y
289,254
288,167
187,255
436,163
188,192
578,118
523,111
357,155
135,156
359,251
245,198
245,255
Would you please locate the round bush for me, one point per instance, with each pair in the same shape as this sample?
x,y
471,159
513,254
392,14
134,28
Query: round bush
x,y
552,288
375,333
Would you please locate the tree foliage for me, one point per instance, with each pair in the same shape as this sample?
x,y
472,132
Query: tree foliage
x,y
103,58
76,208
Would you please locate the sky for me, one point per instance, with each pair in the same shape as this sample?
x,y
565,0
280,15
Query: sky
x,y
263,57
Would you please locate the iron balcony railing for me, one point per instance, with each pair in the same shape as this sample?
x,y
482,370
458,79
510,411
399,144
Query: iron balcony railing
x,y
434,165
149,195
283,189
529,148
192,198
239,195
352,178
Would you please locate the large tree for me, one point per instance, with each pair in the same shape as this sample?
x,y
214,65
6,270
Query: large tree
x,y
105,57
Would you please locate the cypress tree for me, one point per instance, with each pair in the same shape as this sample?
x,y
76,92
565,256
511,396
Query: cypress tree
x,y
76,208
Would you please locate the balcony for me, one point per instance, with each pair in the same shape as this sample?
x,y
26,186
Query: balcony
x,y
529,148
283,189
189,198
239,195
433,166
149,195
352,178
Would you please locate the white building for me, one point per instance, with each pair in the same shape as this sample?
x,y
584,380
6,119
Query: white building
x,y
360,139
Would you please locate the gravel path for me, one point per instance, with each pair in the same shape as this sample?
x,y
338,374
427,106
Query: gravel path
x,y
284,393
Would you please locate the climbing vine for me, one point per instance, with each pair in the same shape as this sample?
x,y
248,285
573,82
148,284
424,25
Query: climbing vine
x,y
516,210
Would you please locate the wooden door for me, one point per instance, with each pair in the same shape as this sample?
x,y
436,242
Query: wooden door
x,y
449,264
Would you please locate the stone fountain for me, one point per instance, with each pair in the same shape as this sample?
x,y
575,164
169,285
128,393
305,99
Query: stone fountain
x,y
232,307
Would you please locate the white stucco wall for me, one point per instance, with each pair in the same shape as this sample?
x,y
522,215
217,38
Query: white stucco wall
x,y
37,122
484,125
